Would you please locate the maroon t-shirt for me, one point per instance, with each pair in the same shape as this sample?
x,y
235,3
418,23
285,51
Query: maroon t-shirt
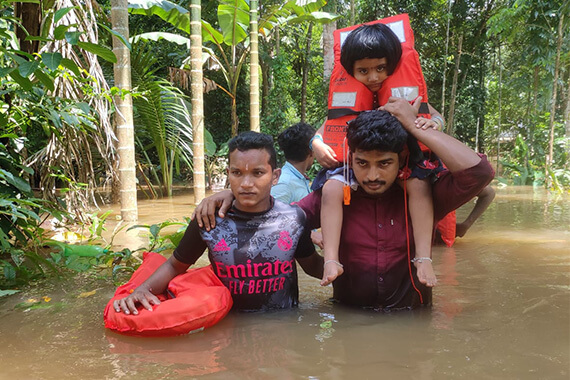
x,y
253,254
373,245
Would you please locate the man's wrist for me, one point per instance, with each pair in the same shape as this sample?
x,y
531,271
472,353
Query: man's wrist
x,y
316,137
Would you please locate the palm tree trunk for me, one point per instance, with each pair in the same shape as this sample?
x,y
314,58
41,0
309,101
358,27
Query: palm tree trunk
x,y
454,88
124,113
567,119
197,87
500,110
306,74
328,50
253,68
549,158
445,58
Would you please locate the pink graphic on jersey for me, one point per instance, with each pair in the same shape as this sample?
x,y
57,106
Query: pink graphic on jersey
x,y
221,246
285,242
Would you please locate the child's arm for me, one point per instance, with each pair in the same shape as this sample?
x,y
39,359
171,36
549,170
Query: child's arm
x,y
436,122
331,226
421,215
155,284
324,154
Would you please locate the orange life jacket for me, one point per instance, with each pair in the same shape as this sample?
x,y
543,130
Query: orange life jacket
x,y
348,97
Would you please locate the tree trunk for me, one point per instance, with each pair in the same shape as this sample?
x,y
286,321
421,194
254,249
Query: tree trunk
x,y
264,86
550,158
124,113
451,115
31,16
500,110
352,13
534,109
328,50
253,68
306,74
445,58
235,120
567,119
197,87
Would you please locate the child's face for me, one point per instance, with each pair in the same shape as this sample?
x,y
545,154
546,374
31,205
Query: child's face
x,y
251,177
371,72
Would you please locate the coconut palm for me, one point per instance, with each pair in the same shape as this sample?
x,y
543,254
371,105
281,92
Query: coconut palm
x,y
162,114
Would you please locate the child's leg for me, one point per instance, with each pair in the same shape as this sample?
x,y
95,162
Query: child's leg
x,y
331,226
421,213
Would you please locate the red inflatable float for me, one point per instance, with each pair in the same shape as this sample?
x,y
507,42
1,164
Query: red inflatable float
x,y
194,301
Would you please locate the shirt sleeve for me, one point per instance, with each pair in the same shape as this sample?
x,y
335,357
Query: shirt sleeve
x,y
452,190
191,247
305,247
311,205
282,192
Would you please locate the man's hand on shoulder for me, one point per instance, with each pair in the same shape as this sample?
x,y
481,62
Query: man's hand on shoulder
x,y
205,213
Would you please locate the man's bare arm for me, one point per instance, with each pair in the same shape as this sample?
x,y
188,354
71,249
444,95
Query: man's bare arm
x,y
312,265
157,283
205,212
454,154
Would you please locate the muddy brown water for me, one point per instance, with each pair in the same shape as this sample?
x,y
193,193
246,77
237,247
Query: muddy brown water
x,y
501,311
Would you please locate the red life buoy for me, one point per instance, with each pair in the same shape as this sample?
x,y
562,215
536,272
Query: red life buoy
x,y
196,300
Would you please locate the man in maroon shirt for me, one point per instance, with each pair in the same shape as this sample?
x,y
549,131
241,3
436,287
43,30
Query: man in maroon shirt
x,y
376,246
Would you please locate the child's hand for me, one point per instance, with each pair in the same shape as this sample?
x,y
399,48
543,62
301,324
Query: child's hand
x,y
332,270
426,275
317,238
423,123
324,154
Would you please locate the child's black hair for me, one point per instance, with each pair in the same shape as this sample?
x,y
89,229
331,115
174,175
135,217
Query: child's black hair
x,y
371,41
294,142
376,130
254,140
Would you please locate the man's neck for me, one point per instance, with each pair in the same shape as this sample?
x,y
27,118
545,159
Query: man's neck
x,y
300,166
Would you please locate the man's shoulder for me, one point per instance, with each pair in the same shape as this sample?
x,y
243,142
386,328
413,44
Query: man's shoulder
x,y
282,207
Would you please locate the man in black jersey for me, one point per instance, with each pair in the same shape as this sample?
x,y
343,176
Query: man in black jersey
x,y
253,250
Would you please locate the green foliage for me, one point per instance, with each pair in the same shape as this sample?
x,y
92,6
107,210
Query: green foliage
x,y
161,242
164,122
21,215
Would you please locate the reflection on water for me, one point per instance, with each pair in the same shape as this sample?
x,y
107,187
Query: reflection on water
x,y
501,311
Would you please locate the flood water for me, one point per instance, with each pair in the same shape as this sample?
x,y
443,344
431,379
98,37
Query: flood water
x,y
501,311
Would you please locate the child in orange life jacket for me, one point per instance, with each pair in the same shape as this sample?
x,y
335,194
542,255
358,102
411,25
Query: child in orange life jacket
x,y
370,54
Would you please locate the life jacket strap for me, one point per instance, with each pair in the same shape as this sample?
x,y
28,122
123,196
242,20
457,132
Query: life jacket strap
x,y
340,112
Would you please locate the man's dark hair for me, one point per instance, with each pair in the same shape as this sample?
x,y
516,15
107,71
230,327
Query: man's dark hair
x,y
376,130
371,41
253,140
294,142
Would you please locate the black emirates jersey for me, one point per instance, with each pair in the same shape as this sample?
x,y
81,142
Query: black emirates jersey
x,y
253,254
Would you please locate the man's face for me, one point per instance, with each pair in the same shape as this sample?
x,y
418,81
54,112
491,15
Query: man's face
x,y
251,177
374,170
371,72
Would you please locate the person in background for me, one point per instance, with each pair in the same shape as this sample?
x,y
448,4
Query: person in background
x,y
293,183
482,202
